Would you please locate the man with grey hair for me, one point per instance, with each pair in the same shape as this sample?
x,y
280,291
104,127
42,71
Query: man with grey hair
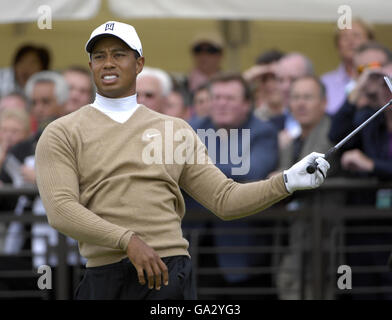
x,y
47,92
291,67
153,86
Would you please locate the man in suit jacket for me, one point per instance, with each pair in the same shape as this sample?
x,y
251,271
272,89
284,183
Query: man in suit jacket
x,y
308,106
245,149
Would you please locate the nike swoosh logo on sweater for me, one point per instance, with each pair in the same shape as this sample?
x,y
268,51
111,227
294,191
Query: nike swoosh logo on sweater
x,y
152,135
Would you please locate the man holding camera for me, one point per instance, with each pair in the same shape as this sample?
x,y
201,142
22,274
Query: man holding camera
x,y
370,152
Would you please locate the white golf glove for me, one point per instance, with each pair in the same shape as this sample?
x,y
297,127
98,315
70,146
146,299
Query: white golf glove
x,y
297,178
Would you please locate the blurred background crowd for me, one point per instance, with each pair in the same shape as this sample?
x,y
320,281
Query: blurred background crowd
x,y
290,109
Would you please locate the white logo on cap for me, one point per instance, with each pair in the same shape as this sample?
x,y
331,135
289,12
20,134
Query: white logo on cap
x,y
109,26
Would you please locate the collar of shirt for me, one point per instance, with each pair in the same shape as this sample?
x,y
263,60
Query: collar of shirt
x,y
118,109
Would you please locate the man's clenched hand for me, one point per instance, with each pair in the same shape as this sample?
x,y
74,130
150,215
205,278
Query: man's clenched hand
x,y
297,178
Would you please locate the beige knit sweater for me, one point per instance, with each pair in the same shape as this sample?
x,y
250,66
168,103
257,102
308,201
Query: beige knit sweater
x,y
97,188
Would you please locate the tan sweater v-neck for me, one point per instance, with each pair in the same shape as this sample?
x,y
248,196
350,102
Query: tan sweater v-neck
x,y
98,188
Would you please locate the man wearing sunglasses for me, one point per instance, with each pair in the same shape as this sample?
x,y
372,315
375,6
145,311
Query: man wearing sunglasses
x,y
365,154
368,58
368,154
207,53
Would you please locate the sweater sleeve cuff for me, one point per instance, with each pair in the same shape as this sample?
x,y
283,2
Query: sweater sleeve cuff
x,y
125,240
286,182
281,183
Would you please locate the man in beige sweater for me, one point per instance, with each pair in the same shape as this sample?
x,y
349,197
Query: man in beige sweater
x,y
110,175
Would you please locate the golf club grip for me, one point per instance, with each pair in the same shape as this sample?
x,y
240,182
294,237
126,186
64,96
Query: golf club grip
x,y
312,167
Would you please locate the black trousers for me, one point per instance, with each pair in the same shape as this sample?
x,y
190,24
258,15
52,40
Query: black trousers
x,y
119,281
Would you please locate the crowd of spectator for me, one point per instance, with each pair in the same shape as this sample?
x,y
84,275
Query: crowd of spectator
x,y
289,110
